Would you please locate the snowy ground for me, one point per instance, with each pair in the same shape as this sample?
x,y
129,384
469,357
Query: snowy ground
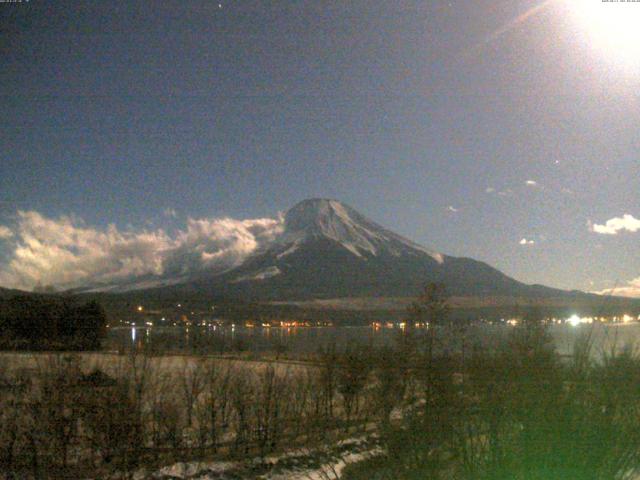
x,y
114,364
302,464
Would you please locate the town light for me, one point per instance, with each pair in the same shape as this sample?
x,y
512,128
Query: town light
x,y
574,320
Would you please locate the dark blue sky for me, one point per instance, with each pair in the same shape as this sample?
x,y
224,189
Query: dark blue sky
x,y
115,111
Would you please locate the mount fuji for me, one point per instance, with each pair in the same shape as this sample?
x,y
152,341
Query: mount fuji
x,y
326,249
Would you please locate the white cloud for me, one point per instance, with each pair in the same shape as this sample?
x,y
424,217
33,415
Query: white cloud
x,y
5,232
490,190
452,209
218,243
525,241
615,225
531,183
631,289
66,253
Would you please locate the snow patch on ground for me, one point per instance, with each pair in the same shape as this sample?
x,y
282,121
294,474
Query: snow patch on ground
x,y
260,275
300,464
139,285
328,471
294,246
186,470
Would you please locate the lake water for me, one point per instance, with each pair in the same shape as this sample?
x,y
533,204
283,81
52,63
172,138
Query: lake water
x,y
311,339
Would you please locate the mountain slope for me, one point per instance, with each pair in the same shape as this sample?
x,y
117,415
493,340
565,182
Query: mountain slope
x,y
9,292
329,219
327,249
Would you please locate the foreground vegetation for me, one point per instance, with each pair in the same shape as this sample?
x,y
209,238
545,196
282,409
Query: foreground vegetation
x,y
436,409
60,418
517,413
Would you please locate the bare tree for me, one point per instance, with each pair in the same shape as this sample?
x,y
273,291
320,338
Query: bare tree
x,y
300,400
111,425
390,383
9,431
213,412
167,420
242,397
58,407
192,383
268,408
354,367
327,377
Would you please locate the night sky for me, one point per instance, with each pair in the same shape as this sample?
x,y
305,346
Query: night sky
x,y
502,130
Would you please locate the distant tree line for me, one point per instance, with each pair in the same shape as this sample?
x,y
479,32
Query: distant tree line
x,y
45,322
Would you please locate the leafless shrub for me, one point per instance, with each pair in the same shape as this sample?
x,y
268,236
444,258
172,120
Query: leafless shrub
x,y
192,383
390,384
214,410
271,394
242,391
167,422
328,381
14,427
300,400
111,425
58,405
352,375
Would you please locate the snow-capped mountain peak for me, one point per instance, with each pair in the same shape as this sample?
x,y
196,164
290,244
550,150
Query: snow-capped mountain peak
x,y
308,234
324,218
323,248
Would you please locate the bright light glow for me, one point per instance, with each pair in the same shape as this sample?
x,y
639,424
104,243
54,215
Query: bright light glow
x,y
612,27
574,320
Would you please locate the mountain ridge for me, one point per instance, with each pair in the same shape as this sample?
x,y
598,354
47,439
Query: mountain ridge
x,y
327,249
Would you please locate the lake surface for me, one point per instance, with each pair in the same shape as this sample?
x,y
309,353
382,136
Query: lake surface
x,y
605,337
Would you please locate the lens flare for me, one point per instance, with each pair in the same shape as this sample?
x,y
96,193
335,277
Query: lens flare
x,y
611,27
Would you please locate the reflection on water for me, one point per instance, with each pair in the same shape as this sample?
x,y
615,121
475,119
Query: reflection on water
x,y
221,339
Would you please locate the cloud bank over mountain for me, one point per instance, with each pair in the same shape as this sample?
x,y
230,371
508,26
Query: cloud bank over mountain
x,y
630,289
64,252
